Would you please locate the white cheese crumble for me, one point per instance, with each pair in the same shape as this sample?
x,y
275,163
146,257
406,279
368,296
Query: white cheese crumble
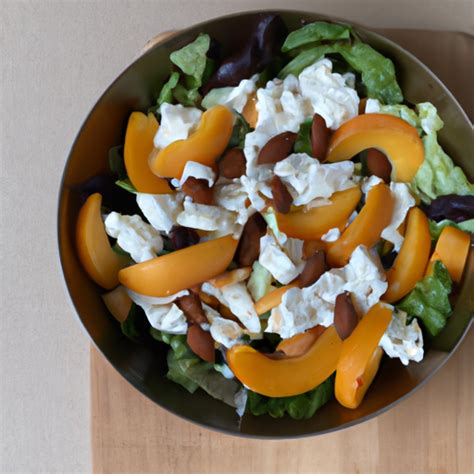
x,y
238,300
369,183
304,308
402,340
207,217
177,123
161,210
136,237
331,235
195,170
403,201
329,94
308,179
232,97
232,196
277,261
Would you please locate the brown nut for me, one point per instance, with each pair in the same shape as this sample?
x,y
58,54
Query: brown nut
x,y
319,137
182,237
315,266
277,148
249,245
201,343
378,164
282,199
345,316
232,164
199,190
191,306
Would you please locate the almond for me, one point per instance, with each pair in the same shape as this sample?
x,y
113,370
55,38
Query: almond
x,y
232,164
182,237
378,164
191,306
249,245
282,199
201,343
277,148
319,137
315,266
198,190
345,316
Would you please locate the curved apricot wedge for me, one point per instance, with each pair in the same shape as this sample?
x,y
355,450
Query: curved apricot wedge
x,y
299,344
360,356
290,375
314,223
179,270
141,130
231,277
410,264
366,227
397,139
100,262
203,146
272,299
452,249
118,303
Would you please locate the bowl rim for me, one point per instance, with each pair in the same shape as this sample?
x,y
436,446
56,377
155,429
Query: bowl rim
x,y
128,376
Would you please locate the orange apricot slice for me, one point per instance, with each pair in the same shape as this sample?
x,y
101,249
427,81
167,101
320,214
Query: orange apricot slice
x,y
141,130
410,264
179,270
366,227
452,249
290,375
249,111
231,277
100,262
315,222
203,146
360,356
394,137
272,299
118,303
299,344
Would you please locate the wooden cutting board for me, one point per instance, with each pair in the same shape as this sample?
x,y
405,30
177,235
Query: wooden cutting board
x,y
432,431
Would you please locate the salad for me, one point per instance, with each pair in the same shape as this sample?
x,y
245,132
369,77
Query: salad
x,y
281,219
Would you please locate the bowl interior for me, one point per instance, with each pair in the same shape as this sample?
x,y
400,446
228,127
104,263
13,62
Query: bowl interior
x,y
145,367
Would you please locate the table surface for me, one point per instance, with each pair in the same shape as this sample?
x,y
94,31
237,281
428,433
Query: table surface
x,y
56,59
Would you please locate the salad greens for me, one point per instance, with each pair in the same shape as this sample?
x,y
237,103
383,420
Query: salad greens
x,y
377,71
437,227
298,407
188,370
166,94
303,140
241,128
260,281
429,300
136,324
314,33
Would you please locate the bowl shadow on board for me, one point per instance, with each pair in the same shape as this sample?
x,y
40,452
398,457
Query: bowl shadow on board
x,y
145,366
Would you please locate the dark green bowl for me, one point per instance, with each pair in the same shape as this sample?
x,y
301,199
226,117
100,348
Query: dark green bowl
x,y
104,127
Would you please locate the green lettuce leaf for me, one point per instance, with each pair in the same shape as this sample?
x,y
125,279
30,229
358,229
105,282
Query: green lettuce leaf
x,y
272,222
314,33
298,407
398,110
438,175
215,96
260,281
127,185
377,71
186,369
303,140
241,128
117,163
192,59
437,227
429,300
136,326
166,94
186,97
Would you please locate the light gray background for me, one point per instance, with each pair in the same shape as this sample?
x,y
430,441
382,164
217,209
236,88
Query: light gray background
x,y
55,60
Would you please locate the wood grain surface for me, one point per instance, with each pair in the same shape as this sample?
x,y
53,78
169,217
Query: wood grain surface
x,y
432,431
429,432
